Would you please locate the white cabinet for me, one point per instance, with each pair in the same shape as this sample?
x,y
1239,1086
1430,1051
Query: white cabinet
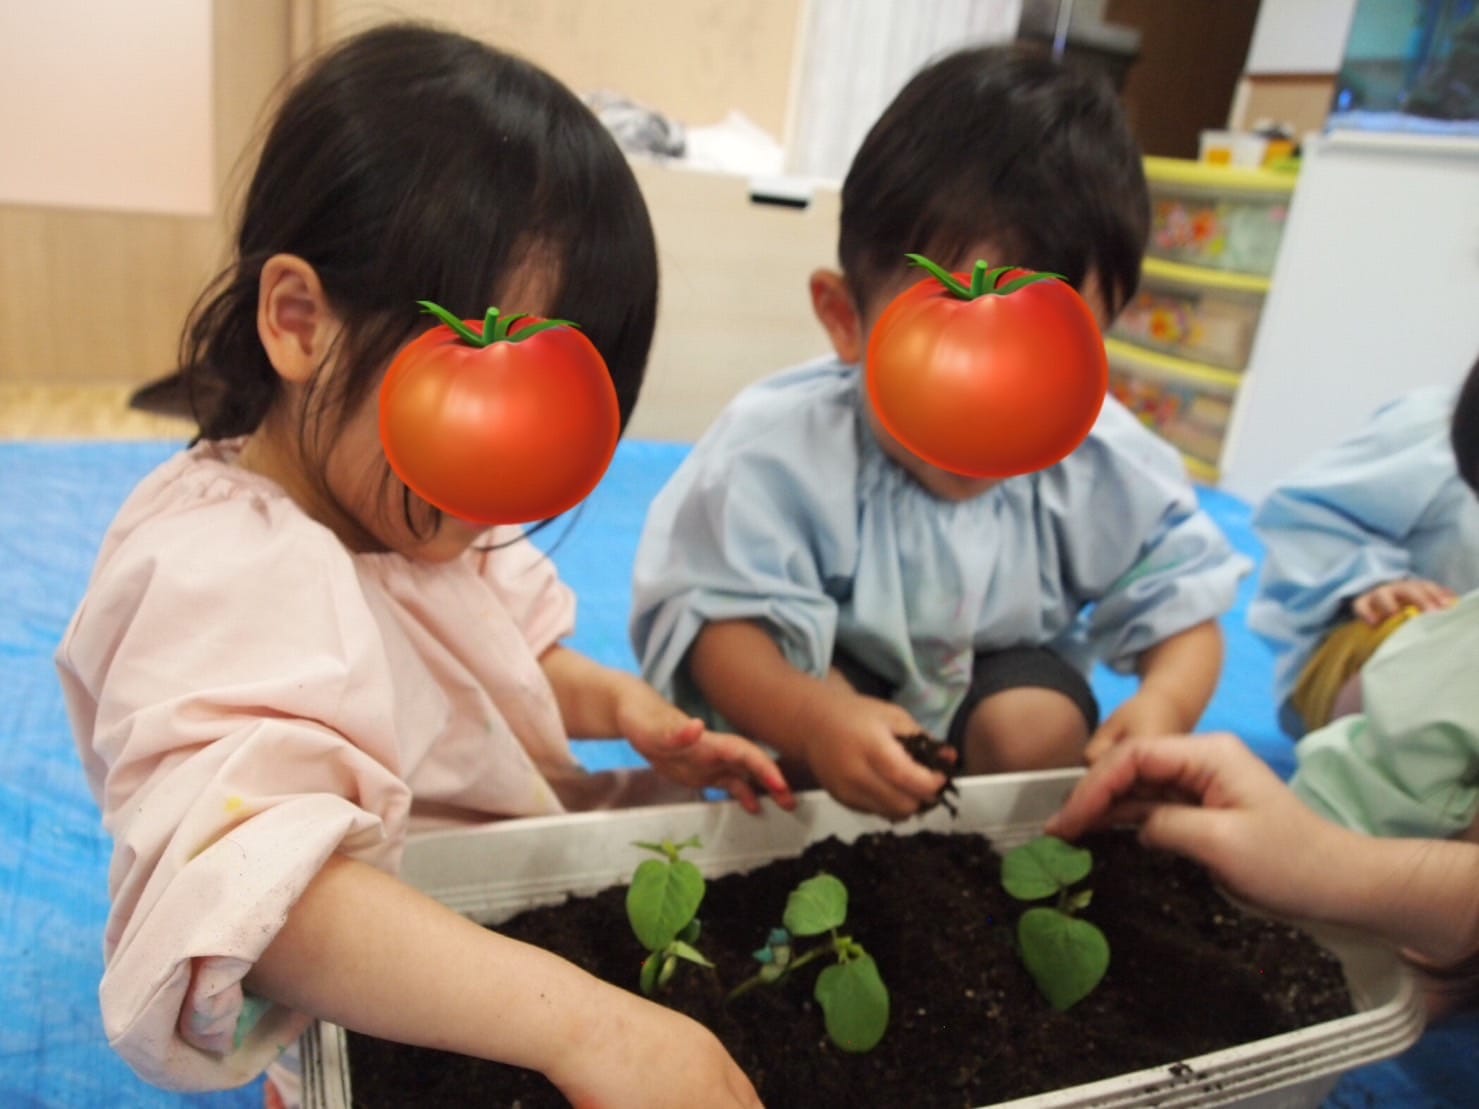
x,y
1375,292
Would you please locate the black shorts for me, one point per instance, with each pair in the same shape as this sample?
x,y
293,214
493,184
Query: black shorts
x,y
993,672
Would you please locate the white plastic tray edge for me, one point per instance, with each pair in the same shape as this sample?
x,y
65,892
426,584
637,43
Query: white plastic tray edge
x,y
490,872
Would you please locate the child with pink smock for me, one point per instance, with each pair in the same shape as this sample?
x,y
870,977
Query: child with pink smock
x,y
286,661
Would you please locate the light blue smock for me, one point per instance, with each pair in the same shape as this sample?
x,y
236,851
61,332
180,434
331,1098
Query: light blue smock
x,y
787,512
1383,505
1408,764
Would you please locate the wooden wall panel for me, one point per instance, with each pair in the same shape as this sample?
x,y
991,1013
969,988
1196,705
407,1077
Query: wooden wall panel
x,y
93,297
735,305
101,296
96,296
692,59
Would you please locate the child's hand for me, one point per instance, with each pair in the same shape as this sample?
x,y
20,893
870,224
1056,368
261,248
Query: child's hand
x,y
680,748
1375,606
1147,714
862,763
1213,800
647,1056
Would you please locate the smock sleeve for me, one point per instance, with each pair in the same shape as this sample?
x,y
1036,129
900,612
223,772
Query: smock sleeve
x,y
1339,526
228,688
1136,546
525,579
1408,765
756,524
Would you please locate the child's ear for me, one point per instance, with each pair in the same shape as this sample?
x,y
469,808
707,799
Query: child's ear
x,y
293,317
838,314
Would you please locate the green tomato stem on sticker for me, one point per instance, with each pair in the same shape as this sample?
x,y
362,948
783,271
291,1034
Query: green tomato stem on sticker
x,y
984,281
495,325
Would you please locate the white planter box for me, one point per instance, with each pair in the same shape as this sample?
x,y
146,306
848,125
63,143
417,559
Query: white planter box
x,y
490,873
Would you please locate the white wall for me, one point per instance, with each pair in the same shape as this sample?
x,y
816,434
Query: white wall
x,y
1375,292
857,55
107,105
1299,36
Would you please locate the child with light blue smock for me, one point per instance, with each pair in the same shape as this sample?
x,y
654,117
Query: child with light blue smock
x,y
1361,538
809,580
1407,764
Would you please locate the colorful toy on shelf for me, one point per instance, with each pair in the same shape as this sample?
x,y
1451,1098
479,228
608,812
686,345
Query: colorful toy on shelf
x,y
1204,315
1225,217
506,420
989,374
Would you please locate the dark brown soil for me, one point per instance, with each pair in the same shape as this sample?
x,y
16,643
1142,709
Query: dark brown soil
x,y
1188,974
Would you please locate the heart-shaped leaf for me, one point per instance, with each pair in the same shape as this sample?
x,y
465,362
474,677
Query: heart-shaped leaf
x,y
1043,867
854,1002
662,899
1066,957
815,906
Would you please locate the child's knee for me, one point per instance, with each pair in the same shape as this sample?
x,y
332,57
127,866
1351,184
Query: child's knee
x,y
1026,728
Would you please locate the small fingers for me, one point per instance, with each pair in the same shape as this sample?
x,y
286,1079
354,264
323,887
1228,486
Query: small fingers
x,y
1102,742
741,791
1430,596
724,760
907,785
917,782
1364,608
688,735
1378,605
754,764
867,790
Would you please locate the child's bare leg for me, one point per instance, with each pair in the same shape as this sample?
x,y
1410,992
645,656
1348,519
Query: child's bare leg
x,y
1348,701
1026,728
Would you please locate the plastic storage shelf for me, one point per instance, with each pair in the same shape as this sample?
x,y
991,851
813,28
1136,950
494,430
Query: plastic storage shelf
x,y
1179,347
1222,217
1206,316
491,872
1186,403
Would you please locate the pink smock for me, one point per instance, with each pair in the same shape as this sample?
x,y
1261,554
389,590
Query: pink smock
x,y
250,698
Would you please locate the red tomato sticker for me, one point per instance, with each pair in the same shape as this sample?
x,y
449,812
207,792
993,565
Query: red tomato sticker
x,y
504,420
990,374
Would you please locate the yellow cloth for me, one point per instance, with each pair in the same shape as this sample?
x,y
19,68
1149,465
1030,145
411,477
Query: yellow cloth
x,y
1344,652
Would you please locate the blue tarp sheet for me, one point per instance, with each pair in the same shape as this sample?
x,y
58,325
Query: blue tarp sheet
x,y
56,500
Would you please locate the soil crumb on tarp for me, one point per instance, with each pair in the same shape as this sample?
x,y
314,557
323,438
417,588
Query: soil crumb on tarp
x,y
1188,974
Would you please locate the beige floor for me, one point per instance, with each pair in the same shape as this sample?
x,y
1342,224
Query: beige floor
x,y
80,412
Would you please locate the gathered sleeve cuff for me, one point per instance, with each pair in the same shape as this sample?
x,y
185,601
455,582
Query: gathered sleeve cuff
x,y
172,997
1137,546
232,751
741,535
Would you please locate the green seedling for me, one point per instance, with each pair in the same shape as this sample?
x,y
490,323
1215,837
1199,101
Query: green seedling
x,y
1066,956
662,906
852,995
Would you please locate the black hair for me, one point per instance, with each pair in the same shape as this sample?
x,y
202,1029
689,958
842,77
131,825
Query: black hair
x,y
1464,432
411,163
998,144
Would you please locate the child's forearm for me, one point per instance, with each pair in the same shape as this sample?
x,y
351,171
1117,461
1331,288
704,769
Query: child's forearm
x,y
743,674
1184,670
1420,894
586,692
366,951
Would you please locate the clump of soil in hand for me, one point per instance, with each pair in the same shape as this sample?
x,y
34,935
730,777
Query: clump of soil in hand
x,y
933,754
1189,973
